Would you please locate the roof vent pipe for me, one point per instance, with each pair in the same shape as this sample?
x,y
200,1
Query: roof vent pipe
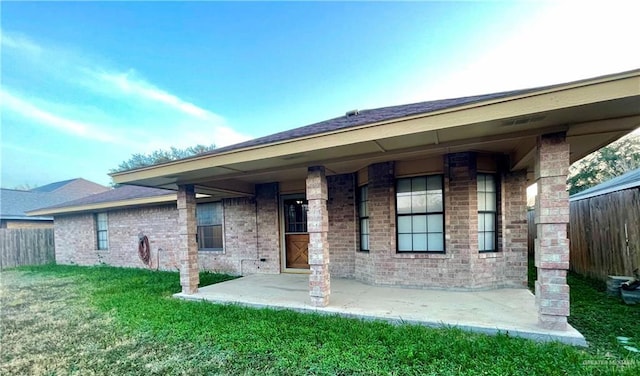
x,y
352,113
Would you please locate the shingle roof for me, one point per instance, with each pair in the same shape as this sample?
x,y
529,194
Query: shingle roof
x,y
15,203
364,117
73,188
52,187
125,192
629,180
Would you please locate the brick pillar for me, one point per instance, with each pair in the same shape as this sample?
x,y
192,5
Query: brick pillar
x,y
552,245
514,227
461,218
318,226
189,278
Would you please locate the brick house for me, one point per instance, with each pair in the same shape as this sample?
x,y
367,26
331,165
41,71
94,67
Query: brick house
x,y
428,195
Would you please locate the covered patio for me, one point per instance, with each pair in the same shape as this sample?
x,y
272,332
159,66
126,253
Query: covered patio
x,y
380,184
511,311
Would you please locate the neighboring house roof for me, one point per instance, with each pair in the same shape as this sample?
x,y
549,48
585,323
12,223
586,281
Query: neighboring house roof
x,y
123,196
627,181
15,203
73,188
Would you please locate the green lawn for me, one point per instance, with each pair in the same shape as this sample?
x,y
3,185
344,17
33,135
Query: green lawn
x,y
59,320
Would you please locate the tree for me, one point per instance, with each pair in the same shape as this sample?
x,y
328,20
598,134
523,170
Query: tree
x,y
612,160
160,156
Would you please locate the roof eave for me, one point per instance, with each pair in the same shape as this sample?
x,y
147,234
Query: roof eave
x,y
505,107
108,205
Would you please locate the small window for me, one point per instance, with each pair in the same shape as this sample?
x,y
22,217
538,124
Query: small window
x,y
102,232
487,213
420,214
209,218
363,215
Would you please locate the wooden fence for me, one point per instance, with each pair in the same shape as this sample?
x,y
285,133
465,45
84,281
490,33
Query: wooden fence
x,y
26,247
605,234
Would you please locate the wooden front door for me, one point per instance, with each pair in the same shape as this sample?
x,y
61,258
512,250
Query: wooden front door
x,y
295,233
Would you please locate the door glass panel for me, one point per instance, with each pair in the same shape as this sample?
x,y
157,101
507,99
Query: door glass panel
x,y
295,217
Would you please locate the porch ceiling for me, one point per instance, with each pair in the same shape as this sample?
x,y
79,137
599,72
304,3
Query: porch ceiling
x,y
593,113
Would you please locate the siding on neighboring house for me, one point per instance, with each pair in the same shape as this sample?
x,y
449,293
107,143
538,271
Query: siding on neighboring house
x,y
12,224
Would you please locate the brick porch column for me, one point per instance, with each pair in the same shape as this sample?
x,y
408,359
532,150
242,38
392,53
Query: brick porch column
x,y
552,245
514,227
318,226
189,278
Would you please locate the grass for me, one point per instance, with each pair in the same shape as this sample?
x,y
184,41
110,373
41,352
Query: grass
x,y
601,318
59,320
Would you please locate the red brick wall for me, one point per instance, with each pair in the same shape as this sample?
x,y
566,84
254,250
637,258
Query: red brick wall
x,y
343,224
267,200
251,233
461,266
515,228
239,231
75,238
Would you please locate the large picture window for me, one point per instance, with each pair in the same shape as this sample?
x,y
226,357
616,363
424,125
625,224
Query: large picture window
x,y
363,215
487,213
420,214
209,218
102,231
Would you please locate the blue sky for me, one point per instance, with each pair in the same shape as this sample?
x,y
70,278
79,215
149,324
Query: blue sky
x,y
85,85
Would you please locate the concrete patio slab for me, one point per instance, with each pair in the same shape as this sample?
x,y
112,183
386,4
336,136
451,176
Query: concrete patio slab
x,y
509,311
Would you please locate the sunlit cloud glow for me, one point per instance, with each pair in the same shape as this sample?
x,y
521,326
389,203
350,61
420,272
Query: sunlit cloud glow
x,y
27,110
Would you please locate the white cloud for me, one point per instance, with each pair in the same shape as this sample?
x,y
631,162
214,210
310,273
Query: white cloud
x,y
112,105
129,85
18,42
26,109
